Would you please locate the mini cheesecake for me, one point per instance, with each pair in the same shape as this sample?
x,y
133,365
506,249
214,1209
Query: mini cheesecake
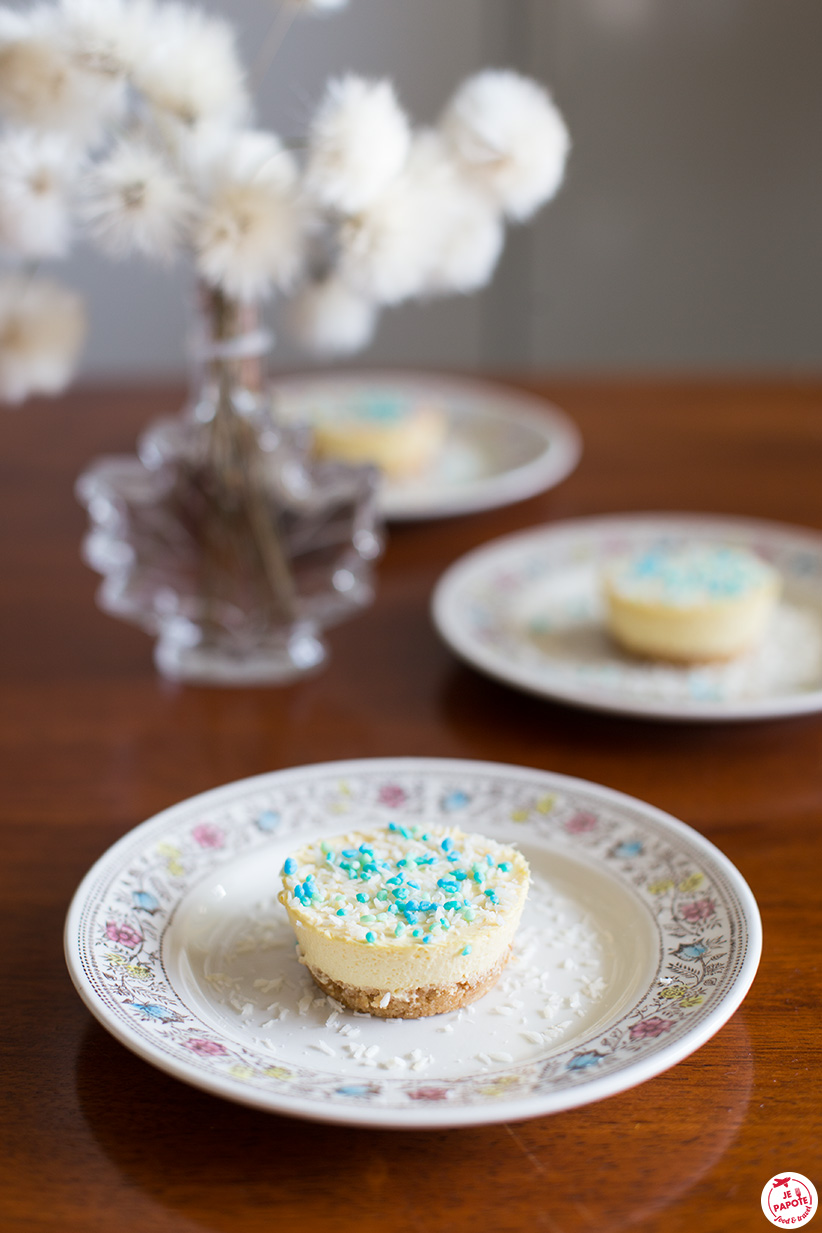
x,y
405,922
690,603
400,436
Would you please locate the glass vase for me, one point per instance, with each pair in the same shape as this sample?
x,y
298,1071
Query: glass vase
x,y
223,536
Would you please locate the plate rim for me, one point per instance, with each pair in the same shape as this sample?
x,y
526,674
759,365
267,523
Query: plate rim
x,y
513,1109
561,453
466,648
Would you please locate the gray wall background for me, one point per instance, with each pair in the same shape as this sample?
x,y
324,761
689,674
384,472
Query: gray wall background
x,y
688,236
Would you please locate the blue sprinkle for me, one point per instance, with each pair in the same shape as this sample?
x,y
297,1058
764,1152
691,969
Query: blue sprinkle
x,y
492,895
350,852
394,881
416,933
453,856
402,863
400,930
460,875
341,911
446,885
505,866
488,860
427,938
446,844
466,950
290,866
268,821
415,885
361,898
366,851
404,831
370,937
452,903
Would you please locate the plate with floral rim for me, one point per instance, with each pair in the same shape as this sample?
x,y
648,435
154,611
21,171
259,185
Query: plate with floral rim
x,y
527,609
502,445
639,941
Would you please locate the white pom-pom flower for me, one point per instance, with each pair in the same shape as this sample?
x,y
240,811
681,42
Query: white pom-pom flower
x,y
358,143
249,235
108,37
191,71
467,230
384,252
428,233
36,171
43,86
42,326
134,202
509,138
329,318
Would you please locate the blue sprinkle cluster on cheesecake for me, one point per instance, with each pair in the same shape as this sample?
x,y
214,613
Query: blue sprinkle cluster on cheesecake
x,y
404,885
689,575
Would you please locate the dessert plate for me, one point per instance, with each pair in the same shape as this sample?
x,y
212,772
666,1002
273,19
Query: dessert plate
x,y
638,942
502,445
527,610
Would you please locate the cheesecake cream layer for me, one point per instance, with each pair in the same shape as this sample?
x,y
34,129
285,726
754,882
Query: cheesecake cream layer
x,y
401,910
690,604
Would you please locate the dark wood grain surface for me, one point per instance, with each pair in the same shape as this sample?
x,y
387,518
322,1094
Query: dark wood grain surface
x,y
92,742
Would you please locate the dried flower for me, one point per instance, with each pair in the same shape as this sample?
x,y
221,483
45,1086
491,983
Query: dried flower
x,y
249,236
329,318
468,237
134,202
384,250
42,325
35,173
509,138
428,233
358,143
108,37
40,83
191,71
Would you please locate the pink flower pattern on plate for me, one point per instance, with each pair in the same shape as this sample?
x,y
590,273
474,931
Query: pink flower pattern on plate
x,y
206,1048
651,1027
123,933
392,795
699,910
208,836
430,1093
580,823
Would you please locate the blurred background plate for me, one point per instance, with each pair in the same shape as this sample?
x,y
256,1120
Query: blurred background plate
x,y
527,609
502,445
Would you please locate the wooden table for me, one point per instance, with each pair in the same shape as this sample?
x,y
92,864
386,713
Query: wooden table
x,y
93,742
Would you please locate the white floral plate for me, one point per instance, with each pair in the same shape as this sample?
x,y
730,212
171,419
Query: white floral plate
x,y
639,941
502,445
527,609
